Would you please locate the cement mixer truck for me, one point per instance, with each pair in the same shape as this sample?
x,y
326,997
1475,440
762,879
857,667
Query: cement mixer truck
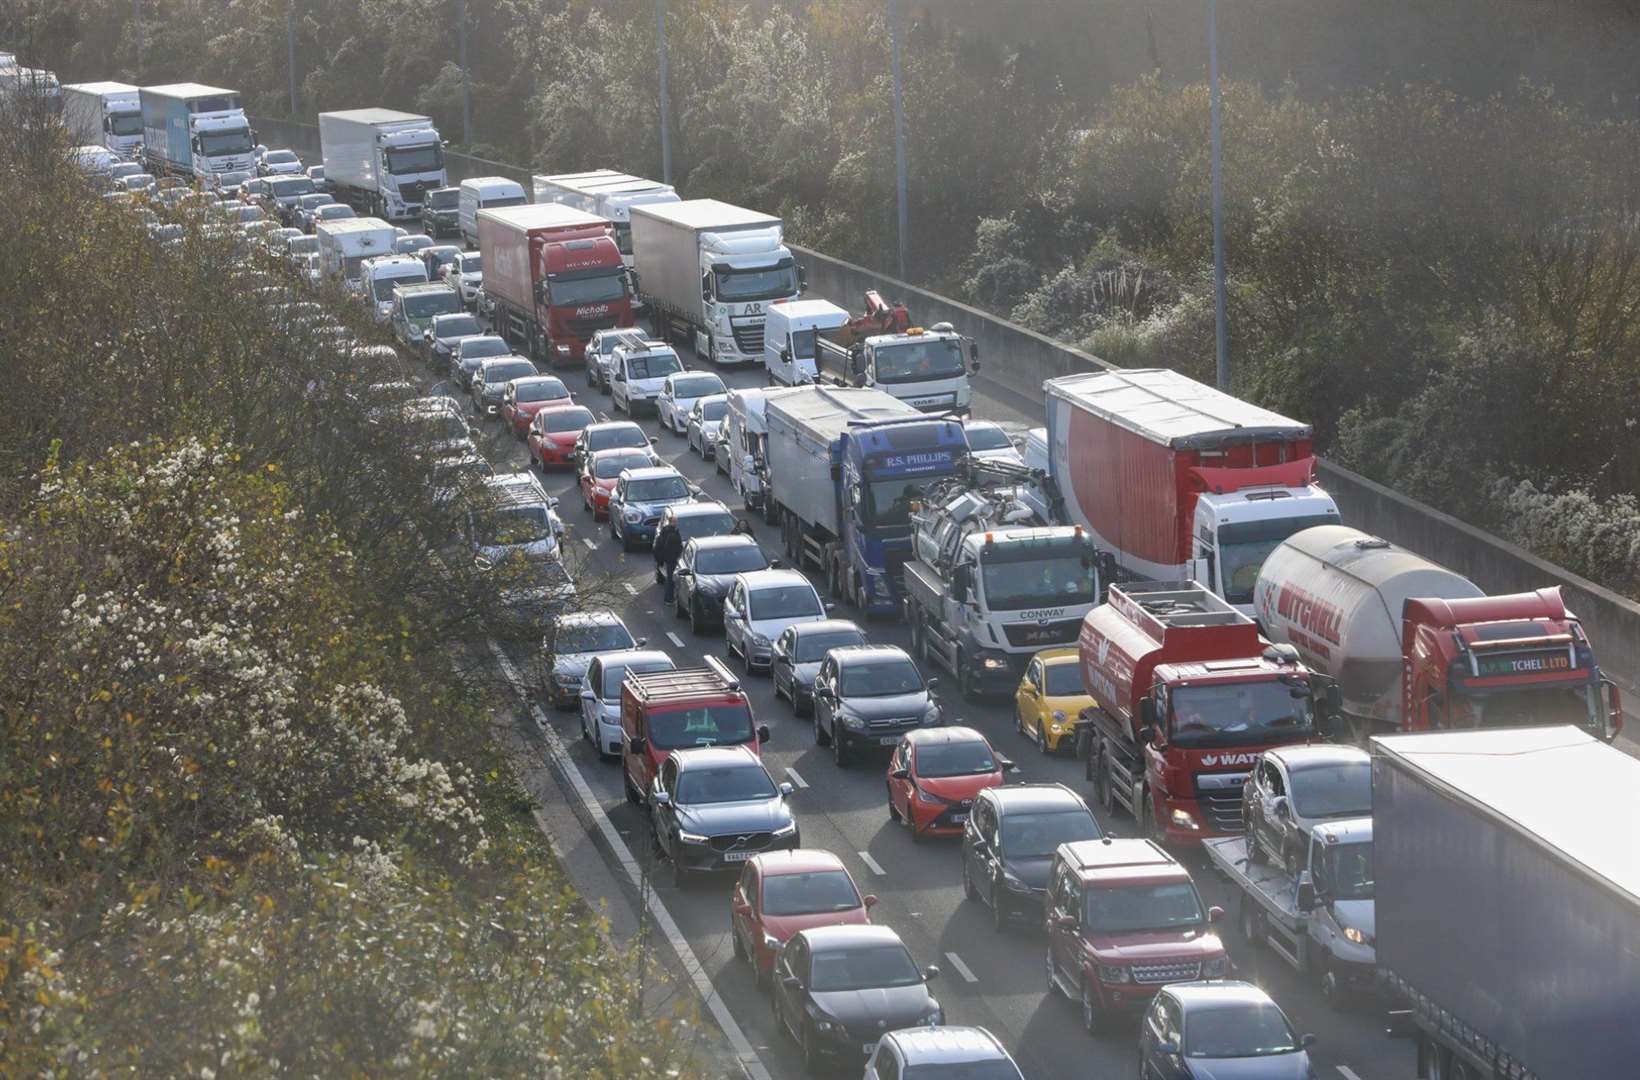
x,y
1417,647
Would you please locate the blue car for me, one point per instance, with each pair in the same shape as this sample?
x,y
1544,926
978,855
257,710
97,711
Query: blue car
x,y
1220,1031
639,497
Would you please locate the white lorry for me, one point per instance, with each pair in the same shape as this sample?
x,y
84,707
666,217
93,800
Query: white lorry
x,y
929,370
105,114
741,445
610,195
485,193
345,244
196,131
988,586
1321,920
709,272
381,161
791,334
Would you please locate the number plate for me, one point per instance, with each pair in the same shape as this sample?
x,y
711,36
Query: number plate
x,y
737,856
888,740
868,1048
959,819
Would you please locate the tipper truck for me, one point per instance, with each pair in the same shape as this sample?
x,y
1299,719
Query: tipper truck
x,y
381,161
610,195
1186,696
1179,480
709,272
987,586
927,369
843,469
1508,901
106,114
1415,646
195,131
555,278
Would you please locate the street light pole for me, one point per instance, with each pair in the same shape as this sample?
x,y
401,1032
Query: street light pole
x,y
290,50
466,82
899,131
1220,334
136,22
666,121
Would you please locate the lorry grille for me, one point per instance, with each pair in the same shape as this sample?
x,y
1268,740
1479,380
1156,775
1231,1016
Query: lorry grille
x,y
1165,973
1222,807
1039,635
742,842
749,337
583,329
416,194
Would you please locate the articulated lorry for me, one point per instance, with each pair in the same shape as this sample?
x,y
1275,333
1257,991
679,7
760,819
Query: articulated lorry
x,y
1178,480
555,278
844,467
927,369
1414,646
709,272
105,114
988,585
1508,901
380,161
1186,696
195,131
611,195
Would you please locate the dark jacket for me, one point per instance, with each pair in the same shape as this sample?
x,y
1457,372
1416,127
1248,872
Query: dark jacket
x,y
668,546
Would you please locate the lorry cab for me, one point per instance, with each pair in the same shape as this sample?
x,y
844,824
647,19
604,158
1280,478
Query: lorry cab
x,y
927,369
614,202
663,711
1235,531
485,193
741,275
791,333
740,450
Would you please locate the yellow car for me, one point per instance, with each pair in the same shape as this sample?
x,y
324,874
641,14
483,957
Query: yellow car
x,y
1049,699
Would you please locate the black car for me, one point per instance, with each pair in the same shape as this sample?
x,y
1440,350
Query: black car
x,y
1009,843
798,652
705,571
439,213
867,697
839,989
714,807
1207,1030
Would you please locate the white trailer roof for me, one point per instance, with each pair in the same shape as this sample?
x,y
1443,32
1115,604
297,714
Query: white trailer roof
x,y
101,87
375,116
539,216
188,90
1172,409
707,214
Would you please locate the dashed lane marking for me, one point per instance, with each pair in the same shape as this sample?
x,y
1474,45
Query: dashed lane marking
x,y
592,545
962,969
1347,1073
871,864
671,635
631,589
796,779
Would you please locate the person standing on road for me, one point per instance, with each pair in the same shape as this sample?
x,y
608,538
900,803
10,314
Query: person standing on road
x,y
668,549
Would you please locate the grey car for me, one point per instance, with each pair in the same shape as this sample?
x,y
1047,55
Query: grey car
x,y
868,696
571,645
490,381
798,652
1295,788
469,352
442,334
714,807
705,571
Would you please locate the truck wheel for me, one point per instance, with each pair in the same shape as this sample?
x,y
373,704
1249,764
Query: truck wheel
x,y
1144,814
820,737
1252,929
1103,785
965,679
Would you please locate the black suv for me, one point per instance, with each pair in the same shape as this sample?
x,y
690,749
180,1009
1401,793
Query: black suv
x,y
1009,843
439,212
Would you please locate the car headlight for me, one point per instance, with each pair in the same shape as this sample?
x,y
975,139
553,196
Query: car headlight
x,y
934,1017
760,640
633,516
1058,716
786,830
993,663
1012,883
691,838
1115,973
850,721
1216,967
1184,819
1352,934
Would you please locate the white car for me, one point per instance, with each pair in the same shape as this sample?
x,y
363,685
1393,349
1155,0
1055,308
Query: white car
x,y
701,429
465,273
600,352
640,371
600,694
989,441
279,163
679,394
573,643
759,606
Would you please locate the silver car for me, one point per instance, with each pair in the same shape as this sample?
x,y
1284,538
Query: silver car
x,y
714,807
1295,788
701,430
601,694
600,352
798,652
572,644
759,607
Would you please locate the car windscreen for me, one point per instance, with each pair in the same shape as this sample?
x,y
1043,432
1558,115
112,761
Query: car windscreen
x,y
610,438
1238,714
480,348
334,212
812,892
1243,1030
279,157
286,187
472,264
880,678
730,560
657,366
696,386
614,673
994,1069
812,648
444,198
969,758
867,967
501,374
303,245
656,489
440,427
784,602
700,725
606,468
1034,834
558,421
986,437
1132,909
601,289
716,524
714,410
542,390
733,783
1337,789
382,287
1065,680
509,525
425,305
458,326
598,637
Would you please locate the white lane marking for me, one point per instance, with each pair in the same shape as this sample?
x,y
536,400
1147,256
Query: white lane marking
x,y
631,589
796,779
969,976
738,1042
1347,1072
592,545
671,635
871,864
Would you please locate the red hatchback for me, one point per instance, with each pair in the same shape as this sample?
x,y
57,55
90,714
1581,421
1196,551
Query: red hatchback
x,y
935,774
553,433
601,469
782,892
525,397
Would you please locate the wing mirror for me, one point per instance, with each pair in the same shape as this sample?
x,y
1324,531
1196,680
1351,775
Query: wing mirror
x,y
1064,922
638,744
786,791
869,900
931,972
1214,914
660,798
763,733
1006,764
588,695
933,683
1306,893
901,774
642,642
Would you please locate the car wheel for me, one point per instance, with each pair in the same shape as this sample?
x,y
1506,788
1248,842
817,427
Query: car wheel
x,y
1041,738
820,737
614,533
1104,792
1019,714
1332,991
999,908
697,625
893,811
811,1053
740,946
586,503
678,608
1092,1018
968,890
680,876
839,751
633,795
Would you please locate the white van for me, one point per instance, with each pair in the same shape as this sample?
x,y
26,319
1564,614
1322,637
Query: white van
x,y
378,278
485,193
740,445
790,338
639,373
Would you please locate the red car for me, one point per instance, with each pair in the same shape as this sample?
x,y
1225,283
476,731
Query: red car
x,y
553,433
601,469
935,774
782,892
525,397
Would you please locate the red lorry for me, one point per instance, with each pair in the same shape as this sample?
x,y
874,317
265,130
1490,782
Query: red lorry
x,y
555,277
1187,695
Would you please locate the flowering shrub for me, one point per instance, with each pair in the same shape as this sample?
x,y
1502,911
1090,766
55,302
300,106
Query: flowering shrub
x,y
1597,538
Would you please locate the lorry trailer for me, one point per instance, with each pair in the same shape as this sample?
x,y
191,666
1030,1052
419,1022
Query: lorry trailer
x,y
105,114
609,194
381,161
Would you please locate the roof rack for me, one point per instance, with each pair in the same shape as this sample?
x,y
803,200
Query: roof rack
x,y
682,683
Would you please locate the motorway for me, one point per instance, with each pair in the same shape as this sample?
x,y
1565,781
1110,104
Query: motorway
x,y
996,980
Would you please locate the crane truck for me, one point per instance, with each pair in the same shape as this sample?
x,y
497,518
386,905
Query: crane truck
x,y
1415,646
927,369
988,585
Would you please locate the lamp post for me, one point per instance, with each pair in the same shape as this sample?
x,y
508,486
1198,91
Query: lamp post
x,y
1220,335
899,132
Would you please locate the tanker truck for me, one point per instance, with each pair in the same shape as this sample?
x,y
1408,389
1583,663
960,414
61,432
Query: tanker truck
x,y
1415,646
